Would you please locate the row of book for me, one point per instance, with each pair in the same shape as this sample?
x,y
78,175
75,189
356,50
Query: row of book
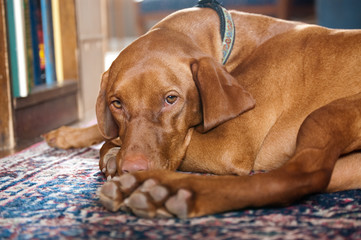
x,y
33,29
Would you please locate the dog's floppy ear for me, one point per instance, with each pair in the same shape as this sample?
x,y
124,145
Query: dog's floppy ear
x,y
223,98
106,123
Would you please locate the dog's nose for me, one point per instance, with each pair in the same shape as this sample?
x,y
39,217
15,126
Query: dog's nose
x,y
134,163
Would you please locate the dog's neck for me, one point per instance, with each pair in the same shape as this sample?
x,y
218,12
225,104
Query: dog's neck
x,y
203,30
253,30
227,28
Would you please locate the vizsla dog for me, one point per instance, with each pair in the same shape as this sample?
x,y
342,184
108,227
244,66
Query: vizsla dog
x,y
286,100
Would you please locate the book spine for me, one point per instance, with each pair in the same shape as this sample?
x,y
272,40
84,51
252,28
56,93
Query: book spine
x,y
17,49
46,14
28,43
21,47
36,33
12,48
57,41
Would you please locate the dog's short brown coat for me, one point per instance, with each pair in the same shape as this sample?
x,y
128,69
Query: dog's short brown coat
x,y
287,101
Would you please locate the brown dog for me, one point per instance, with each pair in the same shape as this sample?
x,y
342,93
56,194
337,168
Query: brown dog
x,y
287,101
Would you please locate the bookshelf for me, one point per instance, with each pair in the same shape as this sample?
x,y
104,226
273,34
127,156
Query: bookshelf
x,y
42,104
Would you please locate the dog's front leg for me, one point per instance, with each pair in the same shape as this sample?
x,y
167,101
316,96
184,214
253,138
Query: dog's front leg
x,y
71,137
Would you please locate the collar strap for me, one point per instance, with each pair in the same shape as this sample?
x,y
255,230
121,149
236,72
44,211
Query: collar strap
x,y
227,26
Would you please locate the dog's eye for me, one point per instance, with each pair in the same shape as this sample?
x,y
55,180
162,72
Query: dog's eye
x,y
117,104
171,99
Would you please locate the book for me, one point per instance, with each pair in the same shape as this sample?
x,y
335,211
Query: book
x,y
58,48
12,48
28,45
47,23
38,30
37,42
17,48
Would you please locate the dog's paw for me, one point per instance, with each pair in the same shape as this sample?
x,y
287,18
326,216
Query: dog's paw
x,y
61,138
108,162
146,198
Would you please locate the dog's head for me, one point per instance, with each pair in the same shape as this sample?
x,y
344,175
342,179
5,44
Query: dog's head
x,y
154,95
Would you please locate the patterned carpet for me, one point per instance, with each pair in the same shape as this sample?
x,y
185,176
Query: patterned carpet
x,y
51,194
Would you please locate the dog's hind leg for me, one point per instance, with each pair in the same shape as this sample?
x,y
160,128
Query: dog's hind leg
x,y
346,174
326,134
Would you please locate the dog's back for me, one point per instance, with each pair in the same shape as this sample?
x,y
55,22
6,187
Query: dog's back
x,y
291,69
